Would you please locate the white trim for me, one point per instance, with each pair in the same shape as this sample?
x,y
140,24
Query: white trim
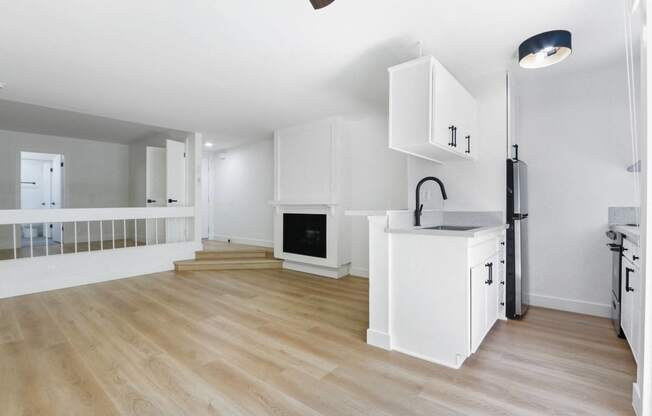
x,y
332,272
359,272
243,240
571,305
34,216
429,359
636,400
379,339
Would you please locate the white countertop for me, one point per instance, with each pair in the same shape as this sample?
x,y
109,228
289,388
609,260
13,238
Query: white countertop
x,y
631,232
476,232
370,212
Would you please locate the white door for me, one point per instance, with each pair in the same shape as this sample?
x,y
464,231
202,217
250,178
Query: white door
x,y
492,293
155,194
176,188
57,194
205,198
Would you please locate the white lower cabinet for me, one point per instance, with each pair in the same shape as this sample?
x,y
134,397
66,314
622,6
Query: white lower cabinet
x,y
630,315
485,301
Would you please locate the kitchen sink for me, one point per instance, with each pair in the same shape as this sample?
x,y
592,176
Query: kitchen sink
x,y
452,227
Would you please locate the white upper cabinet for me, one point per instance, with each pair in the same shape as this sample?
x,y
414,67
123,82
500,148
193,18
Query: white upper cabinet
x,y
431,115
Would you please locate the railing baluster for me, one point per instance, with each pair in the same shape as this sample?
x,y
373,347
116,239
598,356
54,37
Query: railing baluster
x,y
124,233
156,230
31,240
146,230
88,231
75,230
135,232
13,227
62,236
101,237
113,232
47,246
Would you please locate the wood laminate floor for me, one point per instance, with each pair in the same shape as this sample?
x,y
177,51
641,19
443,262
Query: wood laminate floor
x,y
283,343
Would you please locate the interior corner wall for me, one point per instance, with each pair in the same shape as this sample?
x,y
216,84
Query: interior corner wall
x,y
573,132
471,186
242,181
379,177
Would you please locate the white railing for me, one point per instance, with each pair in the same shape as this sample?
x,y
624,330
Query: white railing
x,y
91,229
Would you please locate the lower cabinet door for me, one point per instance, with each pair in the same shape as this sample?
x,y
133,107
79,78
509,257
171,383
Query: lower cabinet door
x,y
626,300
478,306
636,313
492,290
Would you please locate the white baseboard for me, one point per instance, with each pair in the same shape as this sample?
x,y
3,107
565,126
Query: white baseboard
x,y
637,401
359,272
243,240
571,305
427,358
332,272
379,339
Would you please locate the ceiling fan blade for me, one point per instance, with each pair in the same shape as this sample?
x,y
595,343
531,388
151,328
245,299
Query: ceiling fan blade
x,y
318,4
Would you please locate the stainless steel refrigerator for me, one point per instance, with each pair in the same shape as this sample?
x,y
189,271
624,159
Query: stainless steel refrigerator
x,y
517,270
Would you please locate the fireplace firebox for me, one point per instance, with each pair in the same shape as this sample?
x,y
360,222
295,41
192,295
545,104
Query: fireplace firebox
x,y
305,234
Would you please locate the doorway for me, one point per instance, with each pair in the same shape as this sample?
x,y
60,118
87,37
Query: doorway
x,y
41,187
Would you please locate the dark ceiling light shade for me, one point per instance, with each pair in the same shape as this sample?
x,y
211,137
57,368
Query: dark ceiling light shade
x,y
318,4
545,49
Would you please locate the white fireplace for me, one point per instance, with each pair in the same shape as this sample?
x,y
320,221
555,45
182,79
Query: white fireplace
x,y
312,190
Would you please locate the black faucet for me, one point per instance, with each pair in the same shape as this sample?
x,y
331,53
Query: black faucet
x,y
419,206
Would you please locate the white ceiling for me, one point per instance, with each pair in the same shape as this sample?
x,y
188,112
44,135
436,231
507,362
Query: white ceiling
x,y
30,118
241,68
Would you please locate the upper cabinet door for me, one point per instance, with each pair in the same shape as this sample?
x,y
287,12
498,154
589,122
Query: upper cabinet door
x,y
430,112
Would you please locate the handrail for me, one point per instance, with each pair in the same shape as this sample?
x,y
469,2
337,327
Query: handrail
x,y
37,216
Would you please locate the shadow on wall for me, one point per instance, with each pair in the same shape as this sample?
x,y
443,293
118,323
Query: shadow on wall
x,y
365,77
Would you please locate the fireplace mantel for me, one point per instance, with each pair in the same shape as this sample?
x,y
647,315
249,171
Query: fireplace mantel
x,y
307,204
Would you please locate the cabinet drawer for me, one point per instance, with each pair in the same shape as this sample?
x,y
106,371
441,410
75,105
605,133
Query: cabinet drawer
x,y
631,252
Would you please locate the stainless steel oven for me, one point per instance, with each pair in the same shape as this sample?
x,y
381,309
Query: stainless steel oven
x,y
615,244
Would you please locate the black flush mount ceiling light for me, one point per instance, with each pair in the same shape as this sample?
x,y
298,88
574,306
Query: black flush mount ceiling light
x,y
545,49
318,4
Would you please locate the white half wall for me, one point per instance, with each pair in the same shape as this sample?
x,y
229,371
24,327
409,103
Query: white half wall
x,y
242,181
573,133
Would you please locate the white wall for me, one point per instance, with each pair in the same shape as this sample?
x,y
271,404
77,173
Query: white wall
x,y
96,174
379,180
573,133
243,184
471,186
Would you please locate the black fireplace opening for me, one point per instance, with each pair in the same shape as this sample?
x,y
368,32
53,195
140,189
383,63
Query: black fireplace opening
x,y
305,234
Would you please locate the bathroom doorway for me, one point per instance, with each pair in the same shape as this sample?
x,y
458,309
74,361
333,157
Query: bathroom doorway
x,y
41,187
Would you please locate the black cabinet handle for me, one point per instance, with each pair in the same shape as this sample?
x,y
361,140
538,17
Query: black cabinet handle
x,y
635,258
452,129
627,273
468,144
151,201
455,136
172,200
490,266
